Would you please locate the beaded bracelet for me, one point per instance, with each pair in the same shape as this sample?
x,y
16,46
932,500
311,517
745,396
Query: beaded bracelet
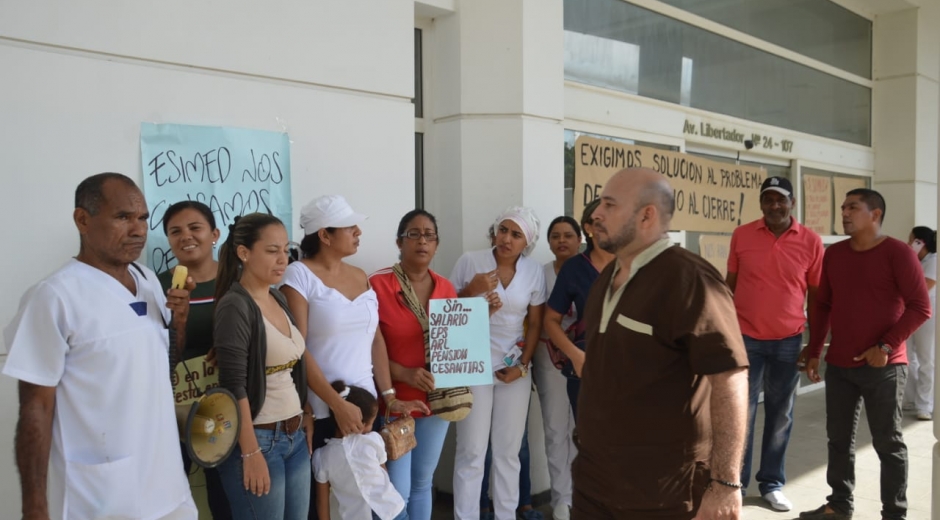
x,y
726,483
246,455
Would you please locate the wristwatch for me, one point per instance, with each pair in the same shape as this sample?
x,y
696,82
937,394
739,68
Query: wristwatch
x,y
885,348
523,369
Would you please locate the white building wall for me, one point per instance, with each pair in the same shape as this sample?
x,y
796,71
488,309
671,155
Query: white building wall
x,y
79,78
905,115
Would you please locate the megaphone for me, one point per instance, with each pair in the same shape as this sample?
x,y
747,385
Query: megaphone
x,y
209,426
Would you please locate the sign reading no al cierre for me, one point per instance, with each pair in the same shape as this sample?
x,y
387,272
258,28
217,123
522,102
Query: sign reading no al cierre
x,y
710,196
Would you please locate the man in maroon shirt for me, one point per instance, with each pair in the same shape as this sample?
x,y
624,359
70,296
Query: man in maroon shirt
x,y
873,296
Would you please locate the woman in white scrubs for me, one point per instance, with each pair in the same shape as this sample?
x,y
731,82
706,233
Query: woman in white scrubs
x,y
564,239
920,346
500,409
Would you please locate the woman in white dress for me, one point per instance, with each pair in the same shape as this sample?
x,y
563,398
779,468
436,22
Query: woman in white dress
x,y
337,313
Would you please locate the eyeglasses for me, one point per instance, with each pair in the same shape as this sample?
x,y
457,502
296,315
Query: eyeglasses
x,y
414,234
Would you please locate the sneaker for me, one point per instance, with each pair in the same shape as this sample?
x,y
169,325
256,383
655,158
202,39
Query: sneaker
x,y
777,501
561,512
822,514
924,416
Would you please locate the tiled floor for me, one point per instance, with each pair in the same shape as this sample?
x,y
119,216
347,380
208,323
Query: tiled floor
x,y
806,468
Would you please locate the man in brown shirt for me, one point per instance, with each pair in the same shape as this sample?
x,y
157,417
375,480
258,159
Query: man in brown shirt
x,y
663,403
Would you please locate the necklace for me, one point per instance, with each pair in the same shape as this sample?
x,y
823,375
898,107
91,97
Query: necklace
x,y
506,278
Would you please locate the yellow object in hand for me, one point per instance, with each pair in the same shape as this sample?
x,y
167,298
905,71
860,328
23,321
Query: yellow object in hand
x,y
179,277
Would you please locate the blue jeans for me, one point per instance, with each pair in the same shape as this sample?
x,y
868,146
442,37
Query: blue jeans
x,y
413,474
574,389
289,467
772,369
525,480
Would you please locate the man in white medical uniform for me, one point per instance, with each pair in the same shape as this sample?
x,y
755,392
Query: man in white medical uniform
x,y
97,434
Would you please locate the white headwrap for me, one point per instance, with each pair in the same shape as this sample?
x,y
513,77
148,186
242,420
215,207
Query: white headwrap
x,y
526,220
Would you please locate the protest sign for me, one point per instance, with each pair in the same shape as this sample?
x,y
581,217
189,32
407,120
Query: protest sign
x,y
817,204
460,342
710,196
192,378
234,171
715,249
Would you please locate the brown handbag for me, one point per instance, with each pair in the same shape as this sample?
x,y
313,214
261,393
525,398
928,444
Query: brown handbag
x,y
399,435
451,404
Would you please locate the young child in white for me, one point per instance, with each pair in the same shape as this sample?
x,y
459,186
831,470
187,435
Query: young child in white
x,y
354,468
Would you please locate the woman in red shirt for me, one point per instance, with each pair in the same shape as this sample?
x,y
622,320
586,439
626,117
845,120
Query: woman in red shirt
x,y
404,338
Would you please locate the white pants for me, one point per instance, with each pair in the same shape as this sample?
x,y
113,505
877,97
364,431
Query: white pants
x,y
558,421
920,358
502,410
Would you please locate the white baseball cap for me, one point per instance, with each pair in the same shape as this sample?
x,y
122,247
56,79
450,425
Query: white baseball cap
x,y
328,211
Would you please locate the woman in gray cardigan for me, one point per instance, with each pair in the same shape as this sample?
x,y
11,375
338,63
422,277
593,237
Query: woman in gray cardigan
x,y
262,360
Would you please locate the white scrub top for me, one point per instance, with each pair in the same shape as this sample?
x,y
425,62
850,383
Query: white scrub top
x,y
929,263
526,288
550,278
115,448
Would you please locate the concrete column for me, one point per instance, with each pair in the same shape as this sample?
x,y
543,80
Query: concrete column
x,y
498,103
905,116
496,139
935,483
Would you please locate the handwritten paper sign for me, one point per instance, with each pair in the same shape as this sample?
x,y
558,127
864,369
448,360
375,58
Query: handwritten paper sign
x,y
710,196
234,171
715,249
192,378
817,204
460,342
841,186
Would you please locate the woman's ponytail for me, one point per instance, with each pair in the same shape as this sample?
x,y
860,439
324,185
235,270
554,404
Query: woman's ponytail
x,y
229,264
360,397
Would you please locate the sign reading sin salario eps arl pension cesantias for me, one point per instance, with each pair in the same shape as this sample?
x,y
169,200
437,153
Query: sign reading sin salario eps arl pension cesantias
x,y
710,196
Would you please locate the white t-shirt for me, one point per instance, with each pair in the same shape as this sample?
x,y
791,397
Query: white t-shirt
x,y
527,288
929,263
115,443
339,331
352,466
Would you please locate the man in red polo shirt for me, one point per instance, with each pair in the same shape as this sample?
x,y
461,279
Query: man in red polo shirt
x,y
873,295
774,263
